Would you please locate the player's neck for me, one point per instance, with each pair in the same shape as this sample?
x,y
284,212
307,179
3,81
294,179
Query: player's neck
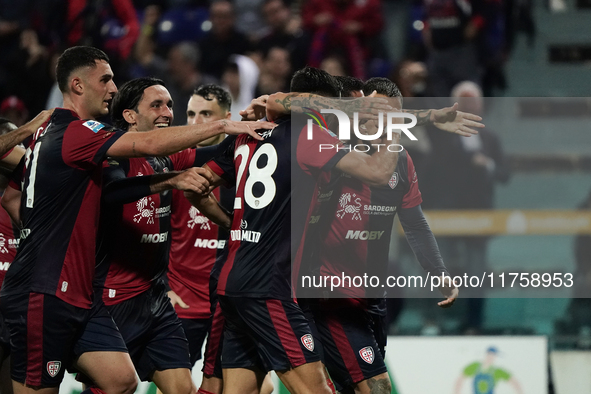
x,y
78,108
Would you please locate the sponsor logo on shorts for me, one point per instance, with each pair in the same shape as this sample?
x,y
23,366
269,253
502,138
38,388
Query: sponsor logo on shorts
x,y
308,342
367,354
53,368
393,181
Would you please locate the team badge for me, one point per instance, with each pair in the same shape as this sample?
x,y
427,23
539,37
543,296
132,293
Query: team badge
x,y
367,354
308,342
93,125
53,368
393,181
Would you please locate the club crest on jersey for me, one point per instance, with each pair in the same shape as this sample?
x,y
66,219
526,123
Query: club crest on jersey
x,y
53,368
346,207
93,125
198,218
308,342
145,207
367,354
393,181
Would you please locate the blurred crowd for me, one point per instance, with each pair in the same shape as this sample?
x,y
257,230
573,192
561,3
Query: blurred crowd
x,y
252,47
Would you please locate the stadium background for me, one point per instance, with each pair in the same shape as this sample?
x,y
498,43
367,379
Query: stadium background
x,y
526,49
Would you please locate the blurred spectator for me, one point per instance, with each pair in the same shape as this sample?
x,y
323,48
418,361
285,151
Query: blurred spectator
x,y
492,45
223,40
349,25
240,79
275,72
285,31
249,20
145,47
450,32
30,73
334,65
111,25
14,109
55,99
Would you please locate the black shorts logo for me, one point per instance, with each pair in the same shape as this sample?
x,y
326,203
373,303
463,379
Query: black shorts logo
x,y
308,342
367,354
53,368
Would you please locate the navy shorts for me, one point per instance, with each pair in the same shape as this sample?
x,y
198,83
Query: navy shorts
x,y
267,334
212,364
48,334
351,352
152,332
195,331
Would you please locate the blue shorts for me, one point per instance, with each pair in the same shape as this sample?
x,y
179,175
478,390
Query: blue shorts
x,y
266,334
152,332
47,335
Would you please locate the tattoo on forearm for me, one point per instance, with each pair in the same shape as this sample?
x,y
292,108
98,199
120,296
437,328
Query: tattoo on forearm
x,y
379,386
423,115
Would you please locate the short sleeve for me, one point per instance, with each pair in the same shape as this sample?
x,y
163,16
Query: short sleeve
x,y
413,197
319,153
183,160
223,164
501,374
16,177
86,143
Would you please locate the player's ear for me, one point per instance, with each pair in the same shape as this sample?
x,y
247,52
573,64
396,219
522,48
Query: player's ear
x,y
229,115
76,85
130,116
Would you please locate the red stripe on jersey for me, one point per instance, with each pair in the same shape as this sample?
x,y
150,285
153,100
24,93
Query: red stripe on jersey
x,y
34,340
288,339
346,351
7,243
6,154
233,246
214,340
215,168
75,282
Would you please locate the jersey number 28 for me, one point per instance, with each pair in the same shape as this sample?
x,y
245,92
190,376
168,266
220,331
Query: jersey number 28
x,y
257,174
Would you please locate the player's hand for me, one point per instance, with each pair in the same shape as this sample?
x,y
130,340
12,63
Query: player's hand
x,y
195,179
256,110
246,127
38,120
453,121
449,291
176,300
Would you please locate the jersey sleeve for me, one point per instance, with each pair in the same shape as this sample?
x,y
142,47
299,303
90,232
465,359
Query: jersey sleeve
x,y
86,143
413,197
501,374
16,177
223,165
183,159
321,152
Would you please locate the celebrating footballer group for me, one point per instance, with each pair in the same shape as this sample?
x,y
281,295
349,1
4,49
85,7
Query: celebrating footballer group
x,y
127,255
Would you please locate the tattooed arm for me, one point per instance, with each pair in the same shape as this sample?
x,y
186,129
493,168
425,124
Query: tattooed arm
x,y
448,119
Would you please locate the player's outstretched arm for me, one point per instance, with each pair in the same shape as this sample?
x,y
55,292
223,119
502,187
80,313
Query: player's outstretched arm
x,y
156,143
127,190
279,104
256,109
449,119
11,201
12,139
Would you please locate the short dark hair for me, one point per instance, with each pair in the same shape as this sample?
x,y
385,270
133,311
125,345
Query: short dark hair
x,y
211,91
382,86
75,58
349,85
315,80
6,126
128,97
